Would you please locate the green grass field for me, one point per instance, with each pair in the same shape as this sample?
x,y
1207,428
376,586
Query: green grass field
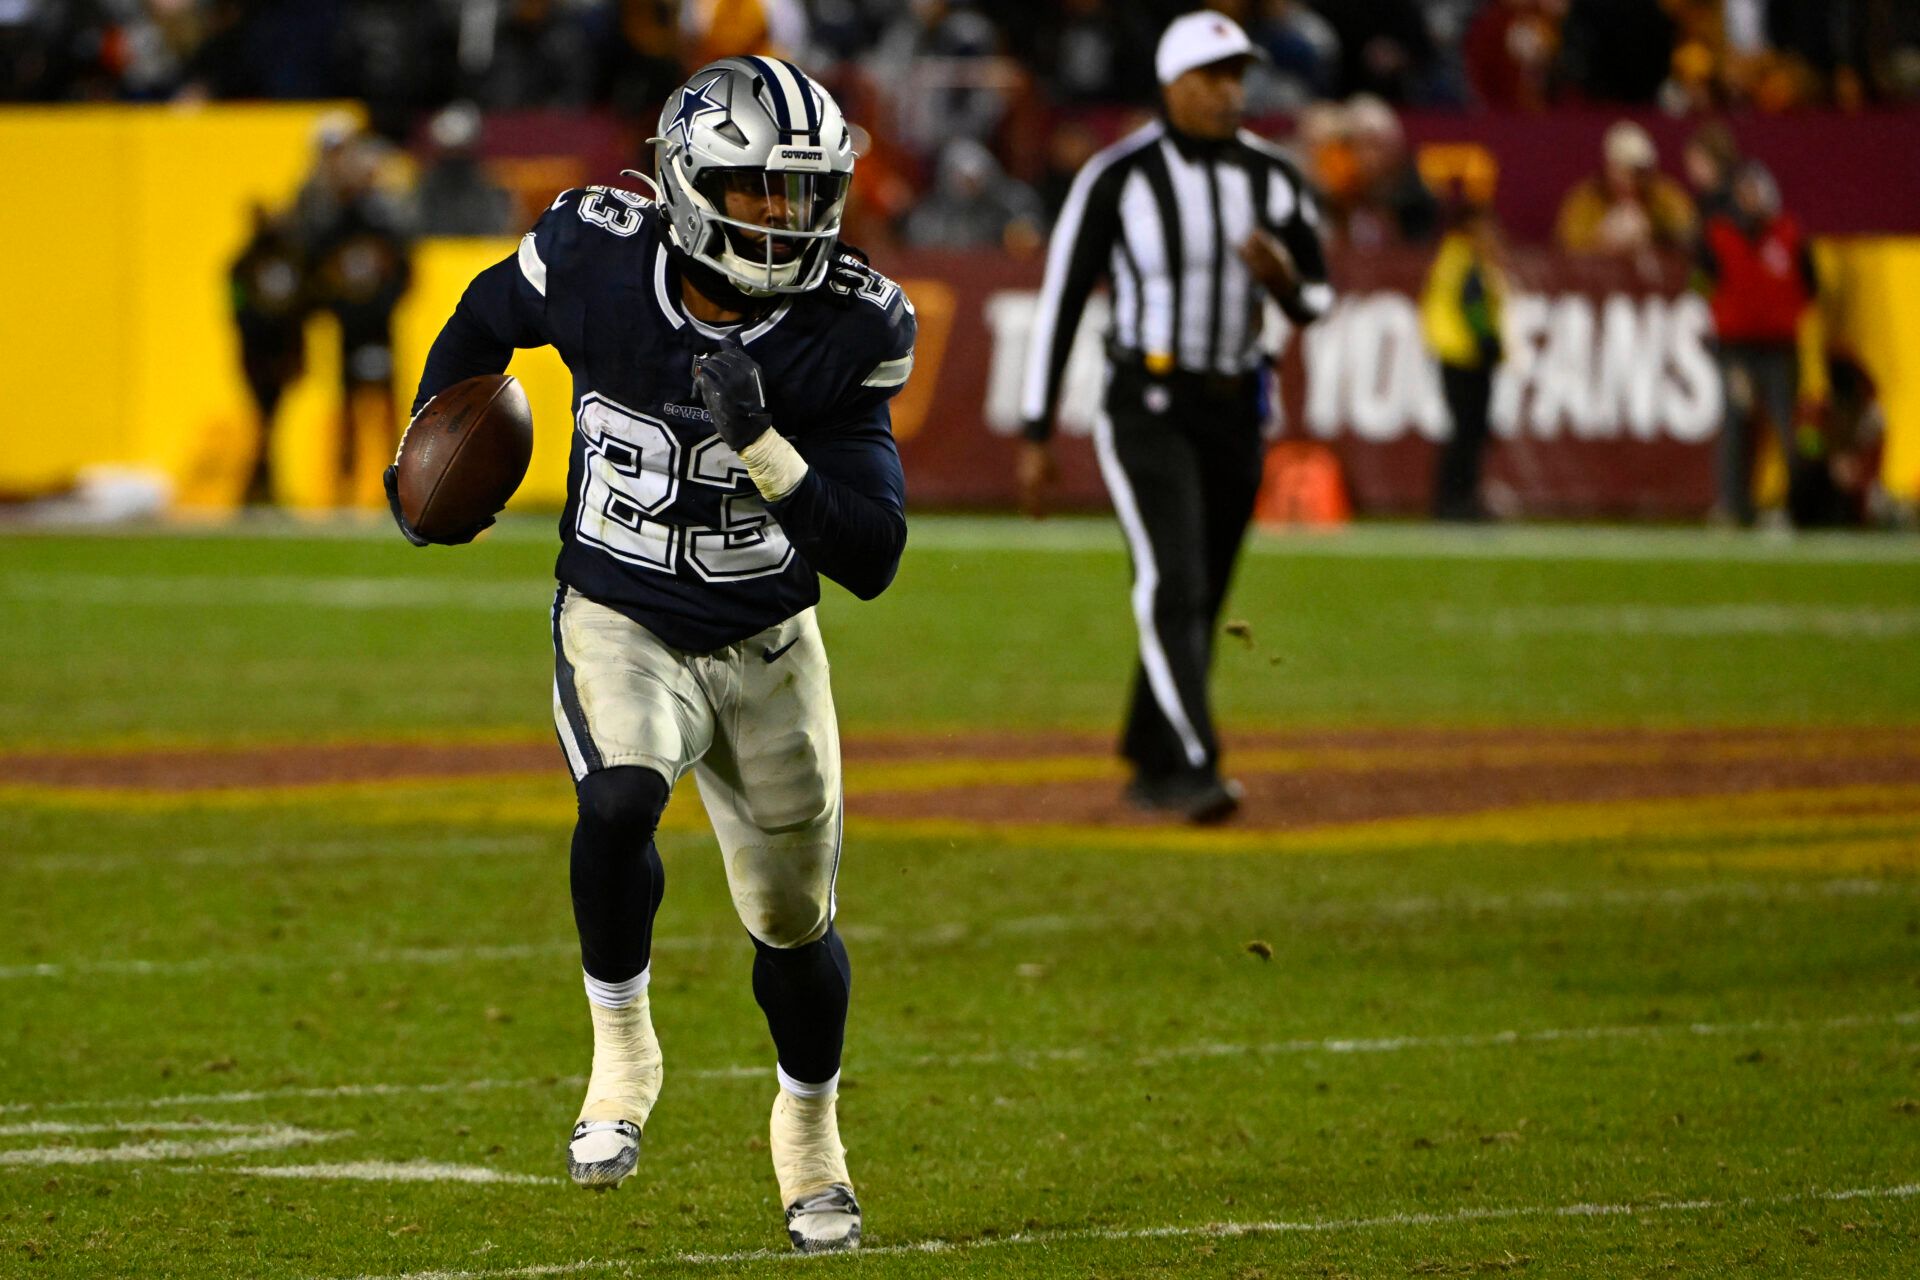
x,y
335,1029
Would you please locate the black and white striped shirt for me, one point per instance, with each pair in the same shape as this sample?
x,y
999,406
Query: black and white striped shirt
x,y
1162,216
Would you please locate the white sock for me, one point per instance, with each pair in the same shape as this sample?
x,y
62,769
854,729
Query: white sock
x,y
615,995
801,1089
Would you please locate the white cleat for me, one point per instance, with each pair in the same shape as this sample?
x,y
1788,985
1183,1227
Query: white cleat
x,y
822,1214
603,1153
605,1145
825,1222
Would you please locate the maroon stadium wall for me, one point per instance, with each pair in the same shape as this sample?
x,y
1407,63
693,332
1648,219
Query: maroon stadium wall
x,y
1608,404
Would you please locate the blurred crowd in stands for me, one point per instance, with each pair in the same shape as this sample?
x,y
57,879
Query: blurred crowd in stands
x,y
408,56
981,110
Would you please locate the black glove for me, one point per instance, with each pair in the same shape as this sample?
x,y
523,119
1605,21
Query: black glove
x,y
729,385
391,479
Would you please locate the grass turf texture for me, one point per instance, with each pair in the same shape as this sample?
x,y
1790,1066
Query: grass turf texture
x,y
1053,1046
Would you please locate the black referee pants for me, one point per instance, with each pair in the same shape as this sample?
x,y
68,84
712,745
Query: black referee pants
x,y
1181,457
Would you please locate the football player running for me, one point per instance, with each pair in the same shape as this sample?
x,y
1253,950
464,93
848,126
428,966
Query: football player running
x,y
732,367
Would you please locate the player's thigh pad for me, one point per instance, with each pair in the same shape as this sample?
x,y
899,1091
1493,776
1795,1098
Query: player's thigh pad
x,y
621,697
771,783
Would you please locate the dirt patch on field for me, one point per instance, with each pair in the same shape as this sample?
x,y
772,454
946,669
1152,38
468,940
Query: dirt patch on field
x,y
1294,780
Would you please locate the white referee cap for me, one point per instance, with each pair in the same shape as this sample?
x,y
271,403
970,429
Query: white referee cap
x,y
1197,39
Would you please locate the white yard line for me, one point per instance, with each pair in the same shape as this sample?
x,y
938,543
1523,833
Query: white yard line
x,y
1211,1230
266,1138
269,960
236,1097
253,591
382,847
382,1171
1033,1058
1422,541
1366,540
1829,621
947,933
45,1128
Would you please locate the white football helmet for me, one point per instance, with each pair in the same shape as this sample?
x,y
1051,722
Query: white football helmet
x,y
760,130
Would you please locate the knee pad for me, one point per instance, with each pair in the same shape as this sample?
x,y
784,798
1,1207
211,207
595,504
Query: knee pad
x,y
782,917
626,797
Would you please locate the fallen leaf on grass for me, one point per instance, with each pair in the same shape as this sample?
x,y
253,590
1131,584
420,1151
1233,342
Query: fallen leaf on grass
x,y
1262,949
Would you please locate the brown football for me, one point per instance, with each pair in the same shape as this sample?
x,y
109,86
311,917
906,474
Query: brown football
x,y
464,454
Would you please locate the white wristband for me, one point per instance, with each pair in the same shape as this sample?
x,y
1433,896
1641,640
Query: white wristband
x,y
775,466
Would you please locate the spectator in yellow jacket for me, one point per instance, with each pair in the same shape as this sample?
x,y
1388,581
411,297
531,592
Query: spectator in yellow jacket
x,y
1460,315
1629,207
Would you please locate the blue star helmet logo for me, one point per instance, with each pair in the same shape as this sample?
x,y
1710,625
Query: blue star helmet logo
x,y
694,103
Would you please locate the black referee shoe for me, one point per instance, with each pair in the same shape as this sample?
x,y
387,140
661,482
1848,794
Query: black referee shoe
x,y
1200,798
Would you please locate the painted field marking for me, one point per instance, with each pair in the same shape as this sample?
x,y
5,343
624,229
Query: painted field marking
x,y
1426,542
238,1097
1015,768
1833,622
47,1128
268,960
239,1140
252,591
869,778
942,933
1069,533
1032,1058
1210,1230
1811,811
947,933
320,851
382,1171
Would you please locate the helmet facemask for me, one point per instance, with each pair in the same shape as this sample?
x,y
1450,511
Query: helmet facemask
x,y
786,228
755,162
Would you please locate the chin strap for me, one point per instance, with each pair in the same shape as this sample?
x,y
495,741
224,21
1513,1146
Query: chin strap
x,y
715,287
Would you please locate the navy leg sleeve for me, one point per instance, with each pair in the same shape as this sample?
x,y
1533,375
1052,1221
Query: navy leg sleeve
x,y
617,876
804,993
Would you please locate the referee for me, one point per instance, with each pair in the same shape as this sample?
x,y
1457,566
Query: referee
x,y
1190,219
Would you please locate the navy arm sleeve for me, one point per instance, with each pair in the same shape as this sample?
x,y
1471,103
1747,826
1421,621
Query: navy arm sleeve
x,y
499,312
848,516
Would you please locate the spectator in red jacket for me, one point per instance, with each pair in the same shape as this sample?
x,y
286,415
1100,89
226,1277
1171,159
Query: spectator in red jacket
x,y
1761,284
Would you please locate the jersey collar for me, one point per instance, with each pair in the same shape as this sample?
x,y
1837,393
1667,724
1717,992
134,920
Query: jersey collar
x,y
667,297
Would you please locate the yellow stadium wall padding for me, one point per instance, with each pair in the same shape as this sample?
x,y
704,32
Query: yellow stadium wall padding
x,y
116,338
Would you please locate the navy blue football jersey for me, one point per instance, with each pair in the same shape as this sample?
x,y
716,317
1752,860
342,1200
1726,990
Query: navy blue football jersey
x,y
662,521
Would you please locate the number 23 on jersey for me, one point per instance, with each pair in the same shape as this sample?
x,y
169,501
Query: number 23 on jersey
x,y
634,503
